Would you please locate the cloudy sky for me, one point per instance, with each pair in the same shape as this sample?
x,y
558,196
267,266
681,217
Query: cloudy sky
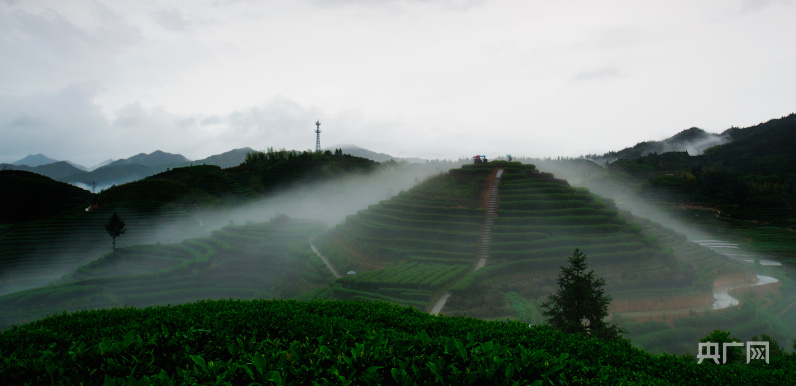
x,y
92,80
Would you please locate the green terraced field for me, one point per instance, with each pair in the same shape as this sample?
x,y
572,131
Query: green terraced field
x,y
541,220
422,240
265,260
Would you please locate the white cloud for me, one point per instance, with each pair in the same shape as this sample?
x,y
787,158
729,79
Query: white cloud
x,y
758,5
605,72
409,77
172,19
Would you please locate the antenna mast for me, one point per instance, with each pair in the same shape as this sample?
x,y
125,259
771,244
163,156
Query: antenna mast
x,y
318,136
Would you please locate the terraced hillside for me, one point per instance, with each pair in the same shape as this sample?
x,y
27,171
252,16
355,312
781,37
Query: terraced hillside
x,y
397,247
48,239
36,252
411,247
267,260
541,220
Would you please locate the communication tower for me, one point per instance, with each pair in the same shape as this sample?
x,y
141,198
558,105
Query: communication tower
x,y
318,136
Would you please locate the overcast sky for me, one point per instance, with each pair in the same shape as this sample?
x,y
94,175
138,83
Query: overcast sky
x,y
91,80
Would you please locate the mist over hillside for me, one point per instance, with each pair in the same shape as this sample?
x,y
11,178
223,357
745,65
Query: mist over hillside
x,y
694,141
160,217
483,240
408,231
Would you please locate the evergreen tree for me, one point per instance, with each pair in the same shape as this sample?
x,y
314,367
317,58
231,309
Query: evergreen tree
x,y
115,228
580,305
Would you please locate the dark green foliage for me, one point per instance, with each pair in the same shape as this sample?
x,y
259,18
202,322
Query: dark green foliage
x,y
58,234
734,354
459,187
115,228
27,196
749,178
289,342
580,304
272,170
406,275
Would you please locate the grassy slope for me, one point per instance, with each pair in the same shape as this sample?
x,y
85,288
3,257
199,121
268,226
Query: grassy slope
x,y
268,260
29,196
51,242
750,178
276,342
413,245
541,220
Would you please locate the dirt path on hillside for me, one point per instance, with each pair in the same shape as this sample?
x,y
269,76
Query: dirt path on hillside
x,y
486,237
325,260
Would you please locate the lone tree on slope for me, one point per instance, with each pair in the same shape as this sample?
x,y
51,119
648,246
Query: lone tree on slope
x,y
580,305
115,228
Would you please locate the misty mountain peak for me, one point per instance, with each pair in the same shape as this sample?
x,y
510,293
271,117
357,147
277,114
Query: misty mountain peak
x,y
34,160
156,158
689,134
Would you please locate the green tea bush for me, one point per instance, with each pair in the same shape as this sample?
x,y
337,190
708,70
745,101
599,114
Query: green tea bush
x,y
290,342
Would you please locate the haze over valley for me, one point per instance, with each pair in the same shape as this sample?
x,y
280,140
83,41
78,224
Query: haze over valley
x,y
397,192
395,218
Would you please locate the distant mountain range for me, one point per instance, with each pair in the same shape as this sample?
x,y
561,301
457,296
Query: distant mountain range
x,y
357,151
694,141
35,160
120,171
144,165
154,159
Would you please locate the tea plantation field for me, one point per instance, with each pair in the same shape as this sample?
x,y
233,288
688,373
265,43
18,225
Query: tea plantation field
x,y
409,248
267,260
228,342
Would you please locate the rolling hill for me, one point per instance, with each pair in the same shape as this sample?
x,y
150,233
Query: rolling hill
x,y
167,207
30,196
422,242
743,190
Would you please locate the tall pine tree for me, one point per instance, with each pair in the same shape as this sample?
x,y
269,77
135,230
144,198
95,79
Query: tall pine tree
x,y
580,304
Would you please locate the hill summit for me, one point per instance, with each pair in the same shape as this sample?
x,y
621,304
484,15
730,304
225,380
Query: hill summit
x,y
493,236
34,160
156,158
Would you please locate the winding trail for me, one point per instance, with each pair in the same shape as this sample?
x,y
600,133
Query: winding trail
x,y
325,260
723,300
486,238
721,296
721,293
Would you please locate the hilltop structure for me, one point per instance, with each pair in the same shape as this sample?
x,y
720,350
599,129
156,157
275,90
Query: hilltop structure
x,y
318,135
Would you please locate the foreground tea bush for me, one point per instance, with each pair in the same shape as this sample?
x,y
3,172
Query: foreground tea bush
x,y
291,342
